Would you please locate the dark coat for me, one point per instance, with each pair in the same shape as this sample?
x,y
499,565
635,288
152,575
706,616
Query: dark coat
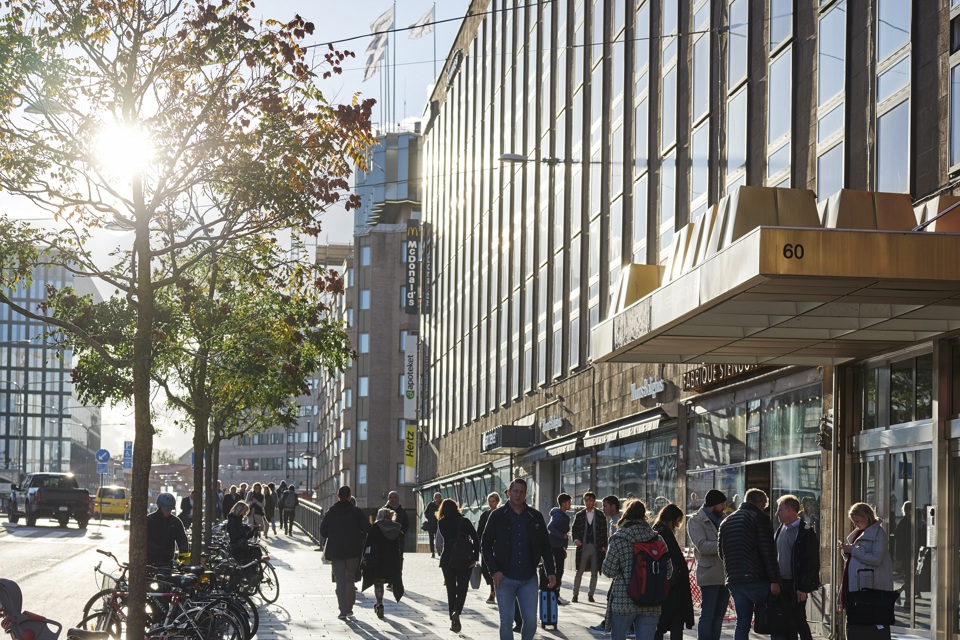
x,y
344,528
600,532
239,533
162,534
497,541
450,527
186,506
430,515
481,525
270,505
558,528
229,499
747,548
678,606
402,518
382,557
805,564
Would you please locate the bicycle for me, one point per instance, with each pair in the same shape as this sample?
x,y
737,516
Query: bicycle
x,y
24,625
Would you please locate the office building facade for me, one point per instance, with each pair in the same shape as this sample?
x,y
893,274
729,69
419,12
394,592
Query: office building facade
x,y
635,212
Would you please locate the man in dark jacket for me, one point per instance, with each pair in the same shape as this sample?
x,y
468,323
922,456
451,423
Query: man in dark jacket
x,y
798,554
344,528
165,534
558,529
514,542
749,557
430,517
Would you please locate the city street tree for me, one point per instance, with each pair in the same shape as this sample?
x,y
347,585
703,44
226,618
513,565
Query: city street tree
x,y
185,126
243,331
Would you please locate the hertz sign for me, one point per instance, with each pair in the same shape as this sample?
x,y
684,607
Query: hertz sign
x,y
411,262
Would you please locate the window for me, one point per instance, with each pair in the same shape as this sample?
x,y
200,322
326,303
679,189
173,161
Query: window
x,y
403,296
700,161
349,278
737,59
668,130
349,316
831,61
361,430
893,26
363,343
365,256
736,134
893,149
348,398
401,474
401,430
361,473
403,340
830,172
781,22
363,386
955,115
668,202
402,384
364,299
346,438
640,220
778,125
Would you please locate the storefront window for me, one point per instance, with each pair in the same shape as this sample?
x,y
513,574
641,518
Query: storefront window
x,y
646,469
720,437
866,382
801,477
790,422
575,476
729,481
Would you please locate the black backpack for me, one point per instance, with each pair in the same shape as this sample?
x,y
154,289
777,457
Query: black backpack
x,y
290,500
461,550
648,580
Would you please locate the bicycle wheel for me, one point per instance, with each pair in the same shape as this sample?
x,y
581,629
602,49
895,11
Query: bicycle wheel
x,y
214,624
249,608
105,620
231,605
98,602
269,587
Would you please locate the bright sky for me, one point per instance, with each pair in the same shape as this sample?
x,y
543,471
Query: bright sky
x,y
414,77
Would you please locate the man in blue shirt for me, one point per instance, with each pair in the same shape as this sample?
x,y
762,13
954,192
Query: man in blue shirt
x,y
514,542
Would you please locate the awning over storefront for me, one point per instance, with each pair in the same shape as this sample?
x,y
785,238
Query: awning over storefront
x,y
552,449
787,295
507,438
619,432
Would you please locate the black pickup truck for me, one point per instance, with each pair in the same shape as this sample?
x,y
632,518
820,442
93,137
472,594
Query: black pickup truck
x,y
56,496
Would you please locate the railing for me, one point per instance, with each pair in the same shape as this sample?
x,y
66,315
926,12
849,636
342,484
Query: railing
x,y
307,516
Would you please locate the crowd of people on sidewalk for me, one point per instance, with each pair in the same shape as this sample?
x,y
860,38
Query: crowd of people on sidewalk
x,y
520,556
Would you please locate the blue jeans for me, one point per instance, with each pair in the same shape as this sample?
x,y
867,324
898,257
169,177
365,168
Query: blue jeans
x,y
524,593
712,609
745,595
644,625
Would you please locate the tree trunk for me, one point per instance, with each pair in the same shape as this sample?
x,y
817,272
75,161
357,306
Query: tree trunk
x,y
199,460
143,438
213,452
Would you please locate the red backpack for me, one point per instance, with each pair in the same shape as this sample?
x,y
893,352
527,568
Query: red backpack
x,y
648,582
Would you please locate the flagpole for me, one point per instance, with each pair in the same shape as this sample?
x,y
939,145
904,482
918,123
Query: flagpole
x,y
394,65
434,45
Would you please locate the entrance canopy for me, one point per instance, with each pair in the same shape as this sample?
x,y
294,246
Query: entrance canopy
x,y
780,295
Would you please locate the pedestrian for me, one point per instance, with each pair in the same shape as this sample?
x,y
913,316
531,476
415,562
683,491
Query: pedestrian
x,y
269,512
456,571
514,542
256,502
165,534
242,550
344,528
714,597
559,531
903,545
493,501
242,492
231,498
677,609
749,557
611,511
401,518
625,614
186,510
382,558
273,513
430,520
867,562
798,553
289,502
590,538
218,511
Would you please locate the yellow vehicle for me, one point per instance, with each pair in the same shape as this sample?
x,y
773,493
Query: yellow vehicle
x,y
113,500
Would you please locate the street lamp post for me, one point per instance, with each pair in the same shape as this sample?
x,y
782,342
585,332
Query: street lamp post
x,y
308,457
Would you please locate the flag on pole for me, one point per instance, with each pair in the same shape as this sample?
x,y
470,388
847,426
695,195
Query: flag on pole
x,y
384,22
378,46
424,25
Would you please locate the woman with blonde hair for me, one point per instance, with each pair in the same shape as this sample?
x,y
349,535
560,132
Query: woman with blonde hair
x,y
382,560
624,613
867,562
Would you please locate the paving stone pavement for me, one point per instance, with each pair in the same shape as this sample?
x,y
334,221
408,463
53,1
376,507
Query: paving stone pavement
x,y
307,606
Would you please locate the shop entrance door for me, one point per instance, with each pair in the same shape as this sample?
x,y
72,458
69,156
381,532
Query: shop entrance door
x,y
899,485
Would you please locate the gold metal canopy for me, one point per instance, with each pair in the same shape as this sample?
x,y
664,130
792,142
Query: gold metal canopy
x,y
782,295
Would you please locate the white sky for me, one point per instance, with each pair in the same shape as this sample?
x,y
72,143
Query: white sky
x,y
414,76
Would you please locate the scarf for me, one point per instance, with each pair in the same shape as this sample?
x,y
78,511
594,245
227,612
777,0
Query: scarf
x,y
714,518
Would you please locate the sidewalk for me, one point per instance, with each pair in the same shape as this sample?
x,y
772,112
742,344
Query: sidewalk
x,y
307,607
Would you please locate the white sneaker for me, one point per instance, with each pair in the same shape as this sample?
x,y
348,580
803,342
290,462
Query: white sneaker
x,y
562,601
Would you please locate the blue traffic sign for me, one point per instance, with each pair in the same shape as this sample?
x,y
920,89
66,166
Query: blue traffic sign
x,y
103,456
127,454
101,468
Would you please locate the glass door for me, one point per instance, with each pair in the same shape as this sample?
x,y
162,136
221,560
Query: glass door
x,y
899,486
